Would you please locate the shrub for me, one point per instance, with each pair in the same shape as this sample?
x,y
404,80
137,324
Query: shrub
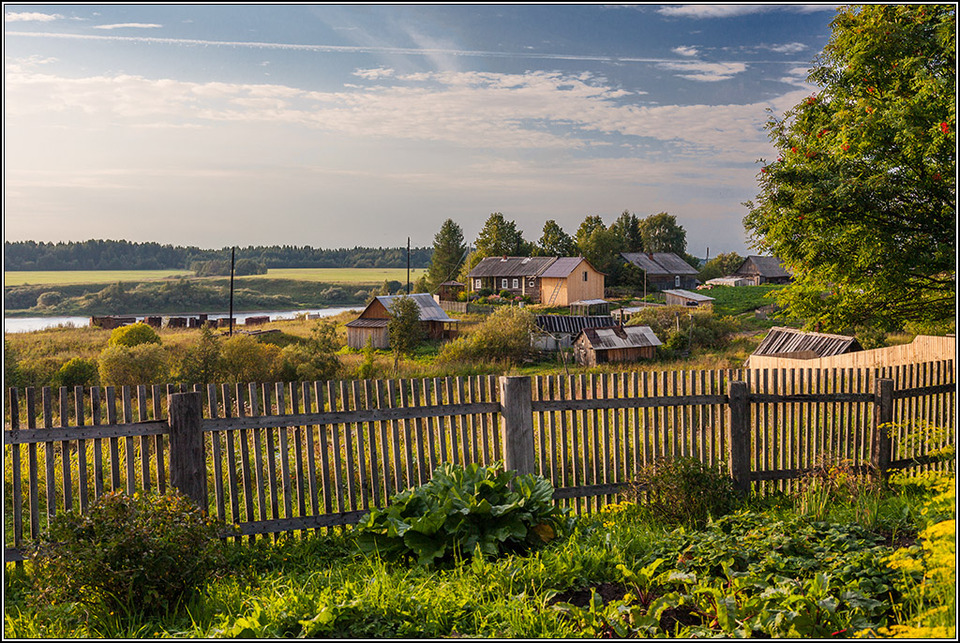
x,y
200,363
464,509
146,551
49,298
247,360
133,366
684,491
504,336
76,372
133,335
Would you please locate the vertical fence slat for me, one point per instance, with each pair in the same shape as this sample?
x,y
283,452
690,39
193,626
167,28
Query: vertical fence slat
x,y
14,398
231,447
65,450
284,455
311,453
83,494
322,431
49,459
214,412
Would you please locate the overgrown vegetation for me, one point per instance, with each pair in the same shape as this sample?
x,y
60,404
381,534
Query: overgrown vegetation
x,y
683,491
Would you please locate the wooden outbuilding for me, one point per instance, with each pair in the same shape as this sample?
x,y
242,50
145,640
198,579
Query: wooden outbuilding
x,y
594,346
570,279
663,269
557,331
449,290
763,270
688,299
782,342
372,323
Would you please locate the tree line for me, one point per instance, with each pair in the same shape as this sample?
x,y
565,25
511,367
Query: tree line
x,y
98,254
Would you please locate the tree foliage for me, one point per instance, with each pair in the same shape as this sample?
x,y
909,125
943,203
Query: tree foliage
x,y
601,246
133,335
404,327
722,265
145,364
861,202
661,233
448,251
555,242
505,336
628,227
501,237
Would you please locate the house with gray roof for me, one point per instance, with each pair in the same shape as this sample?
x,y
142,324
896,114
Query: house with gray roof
x,y
372,323
554,281
664,269
594,346
763,270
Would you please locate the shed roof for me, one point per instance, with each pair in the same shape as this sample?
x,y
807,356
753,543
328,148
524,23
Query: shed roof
x,y
782,340
430,310
686,294
511,266
573,324
603,339
367,323
660,263
769,267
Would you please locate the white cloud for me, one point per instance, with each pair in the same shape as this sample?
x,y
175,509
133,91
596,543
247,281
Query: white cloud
x,y
685,51
129,25
698,11
705,72
789,48
31,17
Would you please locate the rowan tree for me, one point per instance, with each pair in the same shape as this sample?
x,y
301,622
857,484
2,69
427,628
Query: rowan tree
x,y
861,201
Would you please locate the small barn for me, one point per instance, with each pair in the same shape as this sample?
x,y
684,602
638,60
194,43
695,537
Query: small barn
x,y
557,331
763,270
791,343
687,298
594,346
372,323
663,269
568,280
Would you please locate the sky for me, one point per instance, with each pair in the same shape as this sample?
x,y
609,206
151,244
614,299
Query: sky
x,y
365,124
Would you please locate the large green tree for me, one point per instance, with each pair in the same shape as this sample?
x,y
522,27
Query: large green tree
x,y
722,265
661,233
448,252
501,237
627,227
861,202
601,246
555,242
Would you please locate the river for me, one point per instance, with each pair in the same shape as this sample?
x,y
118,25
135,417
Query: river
x,y
30,324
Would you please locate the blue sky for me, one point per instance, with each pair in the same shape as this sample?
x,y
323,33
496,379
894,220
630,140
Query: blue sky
x,y
356,124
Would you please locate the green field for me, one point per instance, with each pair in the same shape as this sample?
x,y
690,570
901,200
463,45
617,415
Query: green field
x,y
65,277
352,276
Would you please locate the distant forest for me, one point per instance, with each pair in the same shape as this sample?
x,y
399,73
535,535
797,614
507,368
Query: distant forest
x,y
125,255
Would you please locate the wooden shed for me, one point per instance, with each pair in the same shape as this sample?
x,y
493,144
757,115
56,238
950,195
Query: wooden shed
x,y
763,270
687,298
557,331
618,344
570,279
371,325
791,343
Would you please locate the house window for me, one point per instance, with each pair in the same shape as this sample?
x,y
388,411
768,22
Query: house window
x,y
476,284
516,284
503,283
676,280
584,275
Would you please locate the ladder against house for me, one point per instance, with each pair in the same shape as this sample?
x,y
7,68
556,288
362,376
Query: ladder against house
x,y
555,293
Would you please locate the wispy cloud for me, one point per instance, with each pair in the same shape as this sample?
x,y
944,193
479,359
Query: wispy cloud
x,y
685,51
705,71
788,48
699,11
31,17
129,25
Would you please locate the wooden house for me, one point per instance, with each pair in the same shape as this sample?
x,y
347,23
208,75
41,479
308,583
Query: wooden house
x,y
554,281
449,290
687,298
371,325
791,343
663,270
763,270
594,346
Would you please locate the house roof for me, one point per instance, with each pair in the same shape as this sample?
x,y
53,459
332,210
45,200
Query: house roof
x,y
572,324
686,294
660,263
367,323
769,267
603,339
562,267
511,267
789,340
430,310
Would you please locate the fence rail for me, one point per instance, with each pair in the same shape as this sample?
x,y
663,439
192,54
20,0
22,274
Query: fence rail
x,y
273,458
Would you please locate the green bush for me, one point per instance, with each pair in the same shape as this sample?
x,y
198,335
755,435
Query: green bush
x,y
461,510
244,359
133,335
684,491
132,366
504,336
76,372
146,552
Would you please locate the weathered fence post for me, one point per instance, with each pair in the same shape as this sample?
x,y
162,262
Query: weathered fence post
x,y
880,455
738,433
188,462
516,424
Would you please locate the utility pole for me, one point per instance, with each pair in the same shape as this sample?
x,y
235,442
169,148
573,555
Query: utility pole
x,y
408,265
233,252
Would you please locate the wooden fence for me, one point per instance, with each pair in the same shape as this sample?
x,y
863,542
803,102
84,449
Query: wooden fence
x,y
274,458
